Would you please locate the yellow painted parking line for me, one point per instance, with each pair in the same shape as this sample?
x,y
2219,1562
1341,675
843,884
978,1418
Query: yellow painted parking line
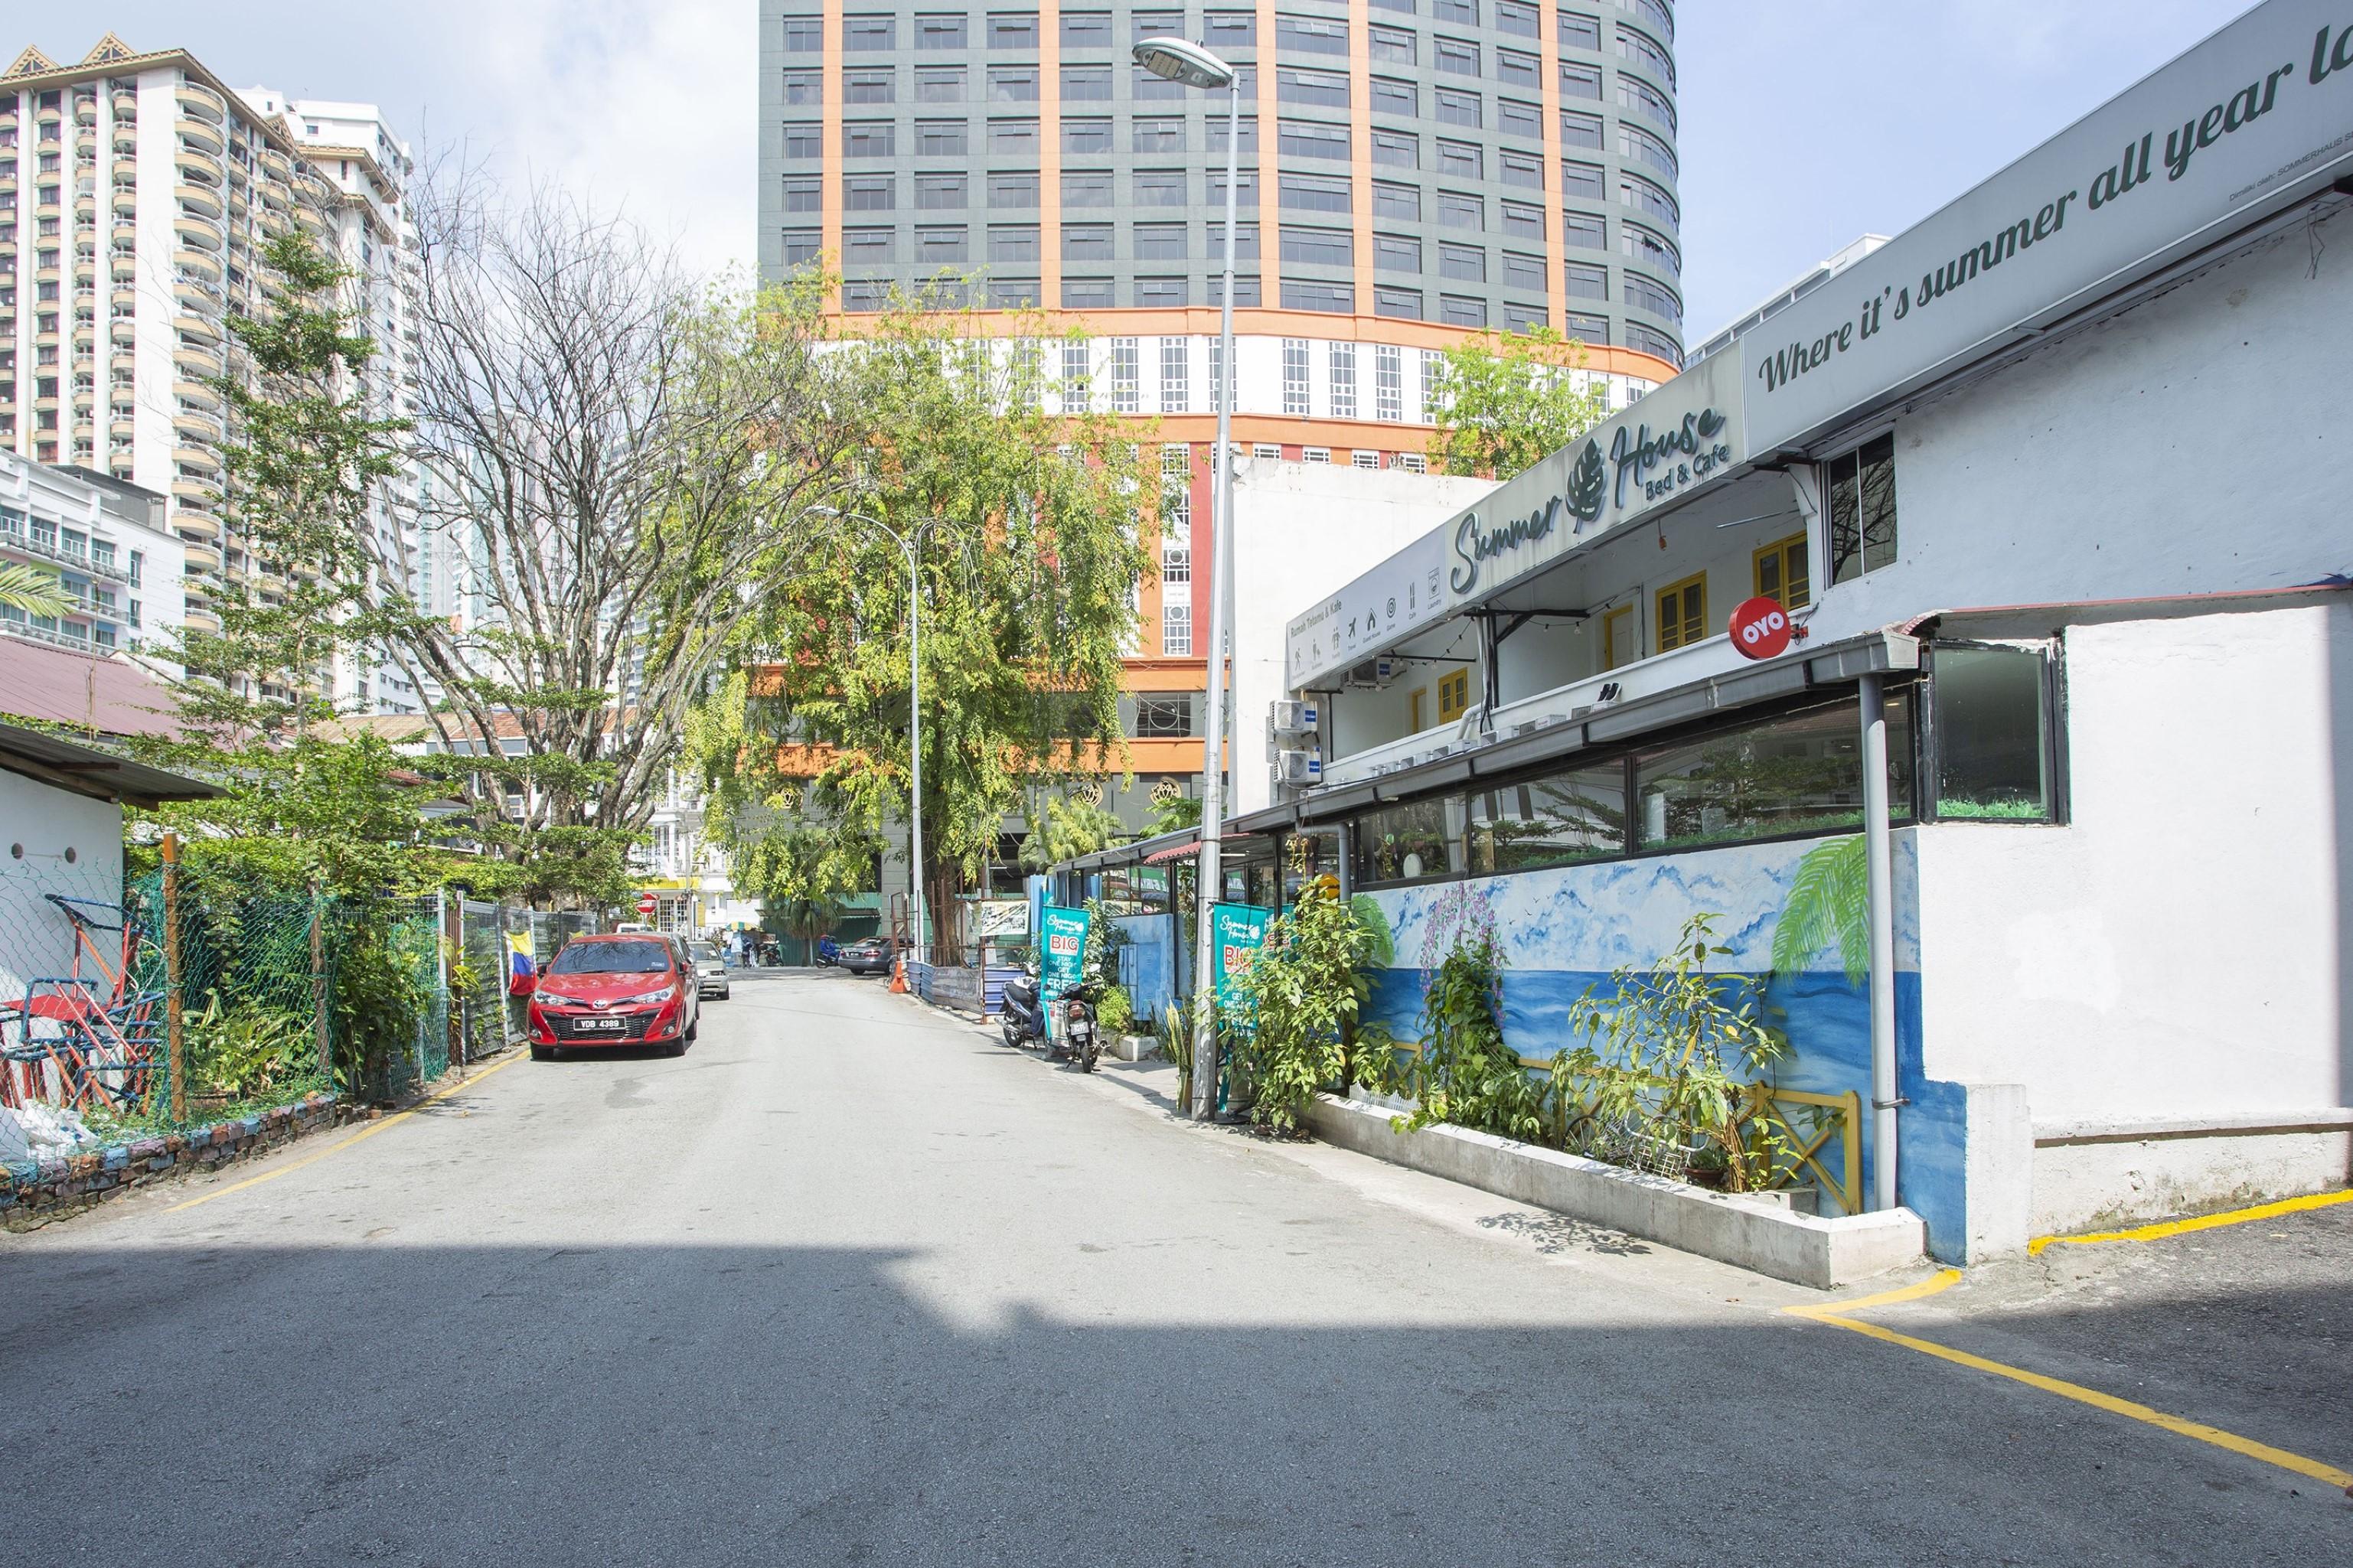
x,y
2160,1231
1835,1313
359,1137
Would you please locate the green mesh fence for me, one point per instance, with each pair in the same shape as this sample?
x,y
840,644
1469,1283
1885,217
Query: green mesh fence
x,y
282,993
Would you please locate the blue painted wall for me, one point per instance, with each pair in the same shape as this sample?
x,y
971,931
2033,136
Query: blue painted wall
x,y
1564,930
1147,964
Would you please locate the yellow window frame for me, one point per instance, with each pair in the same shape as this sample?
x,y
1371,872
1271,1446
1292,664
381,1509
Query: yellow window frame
x,y
1453,696
1680,623
1788,564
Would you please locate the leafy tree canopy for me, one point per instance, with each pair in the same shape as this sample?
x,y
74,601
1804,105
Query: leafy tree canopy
x,y
1507,401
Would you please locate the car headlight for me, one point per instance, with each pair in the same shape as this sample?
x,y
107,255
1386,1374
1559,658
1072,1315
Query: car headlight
x,y
664,994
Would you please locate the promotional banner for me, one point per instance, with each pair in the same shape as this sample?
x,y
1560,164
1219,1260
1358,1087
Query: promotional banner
x,y
1002,918
1062,949
1236,934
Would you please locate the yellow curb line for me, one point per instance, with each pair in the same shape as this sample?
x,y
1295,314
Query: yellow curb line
x,y
2201,1222
384,1125
1835,1312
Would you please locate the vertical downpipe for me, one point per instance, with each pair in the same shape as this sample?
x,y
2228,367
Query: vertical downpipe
x,y
1880,860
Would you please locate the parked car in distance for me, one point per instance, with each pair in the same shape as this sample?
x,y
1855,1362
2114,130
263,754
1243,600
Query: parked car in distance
x,y
874,955
710,968
618,990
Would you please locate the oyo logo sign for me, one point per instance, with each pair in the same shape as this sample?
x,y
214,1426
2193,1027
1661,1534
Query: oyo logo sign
x,y
1760,627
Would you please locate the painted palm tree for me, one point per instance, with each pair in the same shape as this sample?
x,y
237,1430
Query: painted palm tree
x,y
34,592
1828,905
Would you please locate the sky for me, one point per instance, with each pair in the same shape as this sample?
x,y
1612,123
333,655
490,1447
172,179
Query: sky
x,y
1805,122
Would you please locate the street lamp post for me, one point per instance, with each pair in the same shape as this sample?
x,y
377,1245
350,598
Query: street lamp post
x,y
1179,60
910,546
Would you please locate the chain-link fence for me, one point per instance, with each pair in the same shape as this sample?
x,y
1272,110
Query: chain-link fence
x,y
280,993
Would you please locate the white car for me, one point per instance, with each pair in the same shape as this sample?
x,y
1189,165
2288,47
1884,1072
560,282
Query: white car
x,y
709,969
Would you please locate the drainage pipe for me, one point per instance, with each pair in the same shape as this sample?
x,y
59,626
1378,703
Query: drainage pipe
x,y
1881,905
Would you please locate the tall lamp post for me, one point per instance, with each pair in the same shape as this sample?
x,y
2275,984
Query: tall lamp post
x,y
1178,61
910,545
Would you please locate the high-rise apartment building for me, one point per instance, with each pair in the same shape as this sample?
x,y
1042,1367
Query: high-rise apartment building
x,y
1409,172
137,191
1468,163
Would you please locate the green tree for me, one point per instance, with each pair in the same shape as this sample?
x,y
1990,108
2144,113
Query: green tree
x,y
32,590
1506,402
1064,829
1031,547
1301,996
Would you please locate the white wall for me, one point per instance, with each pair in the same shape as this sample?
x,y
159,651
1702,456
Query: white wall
x,y
2184,949
2191,444
36,939
1302,529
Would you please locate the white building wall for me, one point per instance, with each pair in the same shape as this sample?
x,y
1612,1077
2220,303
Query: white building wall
x,y
45,823
1300,529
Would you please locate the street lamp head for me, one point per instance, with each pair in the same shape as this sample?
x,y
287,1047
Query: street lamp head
x,y
1177,59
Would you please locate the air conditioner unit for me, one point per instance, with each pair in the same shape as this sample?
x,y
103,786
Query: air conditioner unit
x,y
1375,672
1293,718
1299,768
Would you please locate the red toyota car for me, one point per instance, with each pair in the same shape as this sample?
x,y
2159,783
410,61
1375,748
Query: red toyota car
x,y
630,990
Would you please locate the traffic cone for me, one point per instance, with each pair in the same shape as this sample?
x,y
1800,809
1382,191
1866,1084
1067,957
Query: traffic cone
x,y
899,976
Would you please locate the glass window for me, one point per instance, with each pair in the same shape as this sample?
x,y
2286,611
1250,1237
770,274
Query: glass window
x,y
1517,18
871,85
1013,190
1307,139
1636,49
1578,31
1396,43
1640,245
1159,187
1799,772
804,34
1863,509
804,194
1683,612
1458,57
1086,84
1086,293
1218,130
1992,734
1582,180
1655,297
1334,298
1318,246
940,137
1086,242
1458,210
1017,30
868,247
1397,149
1160,242
870,32
1584,281
1159,135
1466,262
802,244
1580,81
1403,304
1522,221
1164,717
940,84
1456,310
1464,11
1400,202
1465,160
869,192
939,32
1327,90
1230,29
1518,67
1554,821
1783,573
1013,242
937,247
1087,188
1245,243
1524,271
803,139
804,87
1145,85
1391,97
1651,341
1086,136
1315,193
1311,36
1583,231
1637,95
1514,118
1013,84
1407,842
1086,29
1524,169
1017,136
1157,23
941,193
1396,253
1459,106
612,958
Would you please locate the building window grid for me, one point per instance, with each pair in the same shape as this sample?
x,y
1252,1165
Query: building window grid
x,y
1177,628
1388,382
1126,376
1175,375
1294,376
1343,380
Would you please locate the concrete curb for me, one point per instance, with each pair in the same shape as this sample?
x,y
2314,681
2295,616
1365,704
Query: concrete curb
x,y
1762,1238
48,1190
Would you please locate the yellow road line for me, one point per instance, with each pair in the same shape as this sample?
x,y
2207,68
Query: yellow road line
x,y
2201,1222
359,1137
1835,1313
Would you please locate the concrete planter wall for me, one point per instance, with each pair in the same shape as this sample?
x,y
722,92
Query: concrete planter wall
x,y
47,1189
1748,1233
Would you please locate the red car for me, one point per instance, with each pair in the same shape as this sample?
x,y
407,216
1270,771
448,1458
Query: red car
x,y
628,990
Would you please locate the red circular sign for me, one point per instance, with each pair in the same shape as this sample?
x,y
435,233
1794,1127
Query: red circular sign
x,y
1760,627
647,904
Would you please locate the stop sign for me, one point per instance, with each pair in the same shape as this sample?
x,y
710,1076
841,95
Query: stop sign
x,y
1760,627
645,904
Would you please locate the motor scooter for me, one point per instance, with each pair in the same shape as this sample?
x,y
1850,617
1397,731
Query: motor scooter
x,y
1022,1015
1081,1032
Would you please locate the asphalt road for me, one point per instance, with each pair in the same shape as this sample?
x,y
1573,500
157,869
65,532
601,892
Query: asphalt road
x,y
850,1283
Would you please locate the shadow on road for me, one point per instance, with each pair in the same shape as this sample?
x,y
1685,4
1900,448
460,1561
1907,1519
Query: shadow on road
x,y
768,1404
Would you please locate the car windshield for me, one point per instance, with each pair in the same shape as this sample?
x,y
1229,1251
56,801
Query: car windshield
x,y
706,952
611,958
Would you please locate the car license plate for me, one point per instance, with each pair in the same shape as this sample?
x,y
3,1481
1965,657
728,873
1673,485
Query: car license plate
x,y
591,1026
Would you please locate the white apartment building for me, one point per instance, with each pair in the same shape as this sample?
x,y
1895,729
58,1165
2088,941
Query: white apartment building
x,y
106,543
136,192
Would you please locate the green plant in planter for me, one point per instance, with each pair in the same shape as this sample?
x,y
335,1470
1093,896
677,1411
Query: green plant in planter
x,y
1302,993
1466,1074
245,1052
1671,1062
1115,1013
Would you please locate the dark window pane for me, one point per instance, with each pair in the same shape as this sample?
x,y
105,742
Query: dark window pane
x,y
1086,136
941,192
1307,139
1405,843
870,85
1396,253
1990,736
804,87
1522,221
804,195
1013,242
1318,246
1517,18
1801,772
1397,149
804,34
1522,169
1087,188
1466,262
1245,241
1580,81
1159,136
1086,242
1518,67
1457,311
1313,193
1523,271
1018,136
1457,56
1245,190
1086,293
1086,29
802,244
1580,130
940,84
1013,32
939,32
1230,29
1583,231
1655,297
935,247
940,137
1400,98
803,139
1578,31
1456,107
870,32
1012,293
1459,211
1311,36
1162,293
1400,202
1514,118
1013,84
1395,44
1405,304
1159,187
1160,242
1582,180
1557,821
1863,509
1086,84
1013,190
1327,90
1338,299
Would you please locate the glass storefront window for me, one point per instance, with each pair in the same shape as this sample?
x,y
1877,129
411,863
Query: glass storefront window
x,y
1799,772
1305,856
1575,816
1992,735
1407,843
